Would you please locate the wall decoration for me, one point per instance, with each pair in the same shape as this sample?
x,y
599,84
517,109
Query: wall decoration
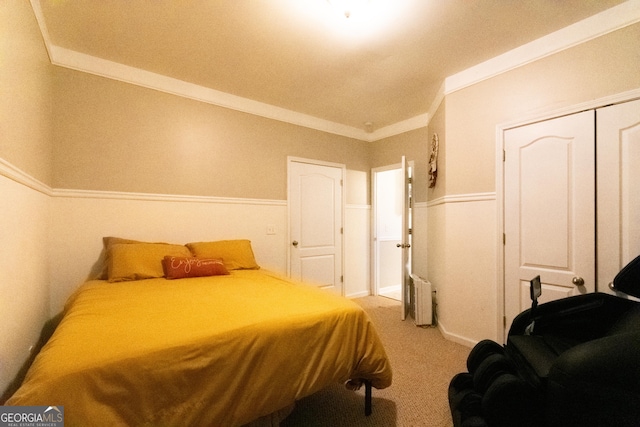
x,y
433,161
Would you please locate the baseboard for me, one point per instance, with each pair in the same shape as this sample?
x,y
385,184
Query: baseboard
x,y
467,342
358,294
386,289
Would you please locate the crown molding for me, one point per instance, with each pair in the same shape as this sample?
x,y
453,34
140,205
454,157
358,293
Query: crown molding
x,y
615,18
612,19
124,73
101,67
413,123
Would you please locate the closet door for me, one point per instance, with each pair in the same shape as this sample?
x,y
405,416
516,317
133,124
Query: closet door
x,y
618,154
549,210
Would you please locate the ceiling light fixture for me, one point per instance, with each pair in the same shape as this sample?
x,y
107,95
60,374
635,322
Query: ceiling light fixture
x,y
347,7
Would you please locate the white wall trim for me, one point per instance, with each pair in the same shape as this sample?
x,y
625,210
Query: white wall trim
x,y
413,123
101,67
455,337
462,198
37,11
357,295
595,26
124,73
316,162
93,194
357,206
435,104
572,109
10,171
420,205
615,18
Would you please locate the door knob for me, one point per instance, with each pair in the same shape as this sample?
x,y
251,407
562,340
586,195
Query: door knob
x,y
578,281
295,243
399,245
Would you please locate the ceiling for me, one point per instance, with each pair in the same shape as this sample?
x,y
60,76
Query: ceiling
x,y
384,64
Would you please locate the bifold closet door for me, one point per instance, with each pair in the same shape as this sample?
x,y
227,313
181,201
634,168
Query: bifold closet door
x,y
618,188
549,210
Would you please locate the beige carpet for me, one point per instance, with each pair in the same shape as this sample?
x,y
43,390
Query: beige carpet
x,y
423,363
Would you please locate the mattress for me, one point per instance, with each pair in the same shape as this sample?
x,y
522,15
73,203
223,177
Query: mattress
x,y
217,351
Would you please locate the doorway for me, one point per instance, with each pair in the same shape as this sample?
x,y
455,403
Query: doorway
x,y
391,240
388,231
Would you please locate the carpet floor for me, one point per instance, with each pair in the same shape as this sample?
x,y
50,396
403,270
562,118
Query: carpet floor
x,y
423,364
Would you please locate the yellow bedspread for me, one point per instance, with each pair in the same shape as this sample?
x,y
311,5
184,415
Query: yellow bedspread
x,y
214,351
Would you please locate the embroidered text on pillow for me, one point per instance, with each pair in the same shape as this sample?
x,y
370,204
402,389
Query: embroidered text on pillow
x,y
187,263
180,267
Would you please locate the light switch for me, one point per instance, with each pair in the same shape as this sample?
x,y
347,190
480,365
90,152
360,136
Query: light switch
x,y
271,229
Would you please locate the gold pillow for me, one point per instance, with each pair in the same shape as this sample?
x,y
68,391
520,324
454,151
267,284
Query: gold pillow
x,y
101,268
236,254
136,261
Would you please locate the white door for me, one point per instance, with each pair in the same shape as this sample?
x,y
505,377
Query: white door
x,y
549,210
618,141
315,224
405,245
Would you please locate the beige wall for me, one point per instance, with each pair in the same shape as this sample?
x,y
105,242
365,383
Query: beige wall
x,y
25,94
24,211
595,69
412,145
463,223
436,214
79,223
437,126
101,134
116,136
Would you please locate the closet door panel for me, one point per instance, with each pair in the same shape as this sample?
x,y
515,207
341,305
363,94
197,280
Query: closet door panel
x,y
549,210
618,189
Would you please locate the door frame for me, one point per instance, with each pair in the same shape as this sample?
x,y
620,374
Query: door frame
x,y
343,201
501,326
374,248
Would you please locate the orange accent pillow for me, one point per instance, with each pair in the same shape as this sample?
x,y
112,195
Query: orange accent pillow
x,y
181,267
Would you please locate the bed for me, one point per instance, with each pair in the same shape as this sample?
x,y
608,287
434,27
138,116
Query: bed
x,y
215,341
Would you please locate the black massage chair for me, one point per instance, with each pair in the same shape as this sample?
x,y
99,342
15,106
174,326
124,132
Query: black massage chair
x,y
570,362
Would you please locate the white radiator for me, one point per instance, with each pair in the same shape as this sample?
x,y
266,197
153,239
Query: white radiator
x,y
423,301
